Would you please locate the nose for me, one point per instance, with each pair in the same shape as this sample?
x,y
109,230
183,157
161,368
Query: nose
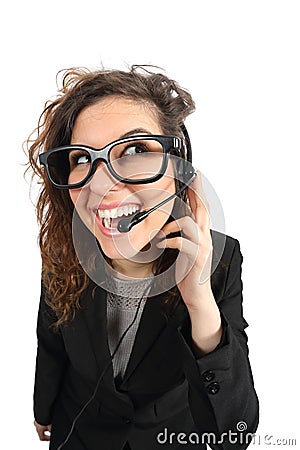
x,y
103,181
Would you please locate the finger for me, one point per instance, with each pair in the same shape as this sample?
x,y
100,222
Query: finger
x,y
187,246
45,437
41,431
38,429
183,245
198,202
197,187
185,224
199,210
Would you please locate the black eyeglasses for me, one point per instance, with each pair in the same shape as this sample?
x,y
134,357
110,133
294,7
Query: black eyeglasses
x,y
132,160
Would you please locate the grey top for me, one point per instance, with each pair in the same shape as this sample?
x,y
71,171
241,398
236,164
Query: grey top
x,y
123,298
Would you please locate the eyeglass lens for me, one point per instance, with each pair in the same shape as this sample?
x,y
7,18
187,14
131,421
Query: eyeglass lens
x,y
131,160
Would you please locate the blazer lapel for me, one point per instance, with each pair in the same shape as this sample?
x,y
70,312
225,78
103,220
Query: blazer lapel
x,y
86,336
95,318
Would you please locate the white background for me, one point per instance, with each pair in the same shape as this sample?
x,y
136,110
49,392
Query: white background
x,y
240,61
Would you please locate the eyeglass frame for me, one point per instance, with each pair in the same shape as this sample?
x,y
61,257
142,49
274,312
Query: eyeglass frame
x,y
168,142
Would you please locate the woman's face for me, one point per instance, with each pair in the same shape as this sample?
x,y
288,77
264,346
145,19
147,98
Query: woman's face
x,y
96,126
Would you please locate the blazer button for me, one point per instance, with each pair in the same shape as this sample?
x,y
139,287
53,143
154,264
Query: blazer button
x,y
127,421
208,375
213,388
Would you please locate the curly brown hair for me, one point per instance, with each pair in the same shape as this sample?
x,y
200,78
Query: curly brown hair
x,y
62,275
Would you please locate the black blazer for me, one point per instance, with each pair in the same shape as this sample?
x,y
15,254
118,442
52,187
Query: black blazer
x,y
168,398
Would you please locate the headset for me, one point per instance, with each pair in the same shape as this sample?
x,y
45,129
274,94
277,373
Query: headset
x,y
186,171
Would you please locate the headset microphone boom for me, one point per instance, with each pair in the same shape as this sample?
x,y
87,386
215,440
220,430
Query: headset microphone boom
x,y
125,225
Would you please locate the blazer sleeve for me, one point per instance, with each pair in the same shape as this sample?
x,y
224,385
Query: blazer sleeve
x,y
222,379
50,363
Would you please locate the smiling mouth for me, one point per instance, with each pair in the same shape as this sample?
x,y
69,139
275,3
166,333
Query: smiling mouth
x,y
110,218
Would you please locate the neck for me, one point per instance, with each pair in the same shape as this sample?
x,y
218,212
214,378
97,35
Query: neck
x,y
132,269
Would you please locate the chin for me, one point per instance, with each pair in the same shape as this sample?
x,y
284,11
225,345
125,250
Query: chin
x,y
120,248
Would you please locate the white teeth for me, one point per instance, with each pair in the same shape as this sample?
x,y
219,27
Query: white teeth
x,y
114,213
106,223
117,212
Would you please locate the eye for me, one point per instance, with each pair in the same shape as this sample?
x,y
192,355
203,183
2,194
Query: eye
x,y
82,159
134,149
78,158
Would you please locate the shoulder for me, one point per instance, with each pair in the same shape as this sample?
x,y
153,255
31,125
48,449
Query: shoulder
x,y
224,245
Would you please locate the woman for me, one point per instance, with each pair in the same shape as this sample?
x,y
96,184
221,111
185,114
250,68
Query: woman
x,y
141,339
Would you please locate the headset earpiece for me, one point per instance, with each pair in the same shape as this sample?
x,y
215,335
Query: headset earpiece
x,y
185,169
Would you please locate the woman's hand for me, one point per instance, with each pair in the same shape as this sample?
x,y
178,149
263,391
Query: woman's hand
x,y
195,246
193,268
42,430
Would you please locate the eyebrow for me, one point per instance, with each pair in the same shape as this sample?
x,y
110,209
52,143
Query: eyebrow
x,y
134,132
